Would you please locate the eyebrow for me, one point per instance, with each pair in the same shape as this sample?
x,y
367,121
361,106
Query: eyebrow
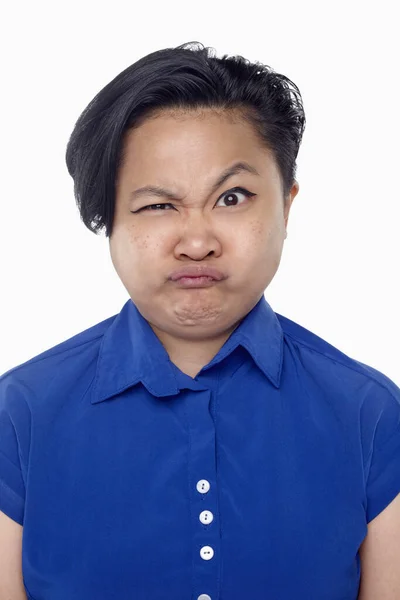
x,y
165,193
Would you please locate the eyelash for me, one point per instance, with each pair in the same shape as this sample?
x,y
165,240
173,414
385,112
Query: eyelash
x,y
232,191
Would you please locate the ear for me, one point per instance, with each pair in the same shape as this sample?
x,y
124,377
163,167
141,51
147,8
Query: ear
x,y
289,200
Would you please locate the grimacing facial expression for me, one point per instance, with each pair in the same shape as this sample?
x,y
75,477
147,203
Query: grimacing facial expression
x,y
240,235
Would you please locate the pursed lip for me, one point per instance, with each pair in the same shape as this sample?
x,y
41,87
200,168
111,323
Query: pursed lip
x,y
197,271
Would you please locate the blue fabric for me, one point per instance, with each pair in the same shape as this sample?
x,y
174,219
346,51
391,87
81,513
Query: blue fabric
x,y
106,450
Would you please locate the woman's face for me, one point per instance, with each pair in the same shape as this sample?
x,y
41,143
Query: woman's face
x,y
241,236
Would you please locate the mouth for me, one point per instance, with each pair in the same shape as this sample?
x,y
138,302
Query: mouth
x,y
196,282
196,271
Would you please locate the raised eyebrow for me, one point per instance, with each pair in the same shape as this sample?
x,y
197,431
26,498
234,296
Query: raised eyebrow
x,y
160,192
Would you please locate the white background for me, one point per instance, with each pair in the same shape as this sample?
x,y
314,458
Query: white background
x,y
339,274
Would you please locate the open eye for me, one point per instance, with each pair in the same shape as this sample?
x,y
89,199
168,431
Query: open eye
x,y
230,195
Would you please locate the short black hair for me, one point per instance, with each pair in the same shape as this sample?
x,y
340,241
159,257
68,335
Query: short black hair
x,y
186,77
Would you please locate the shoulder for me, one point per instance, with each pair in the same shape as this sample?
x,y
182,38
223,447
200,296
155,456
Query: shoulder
x,y
357,395
325,362
63,364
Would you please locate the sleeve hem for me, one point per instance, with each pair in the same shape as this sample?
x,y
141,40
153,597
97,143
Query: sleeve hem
x,y
384,477
377,507
11,504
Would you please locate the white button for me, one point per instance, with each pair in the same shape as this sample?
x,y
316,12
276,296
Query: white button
x,y
203,486
206,517
204,597
206,552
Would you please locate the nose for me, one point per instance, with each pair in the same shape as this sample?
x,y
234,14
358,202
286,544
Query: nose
x,y
197,237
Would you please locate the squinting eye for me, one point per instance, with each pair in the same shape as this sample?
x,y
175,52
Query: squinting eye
x,y
150,207
230,193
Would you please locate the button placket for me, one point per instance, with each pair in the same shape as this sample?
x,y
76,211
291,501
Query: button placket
x,y
206,535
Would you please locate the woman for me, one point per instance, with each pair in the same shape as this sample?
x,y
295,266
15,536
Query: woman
x,y
197,444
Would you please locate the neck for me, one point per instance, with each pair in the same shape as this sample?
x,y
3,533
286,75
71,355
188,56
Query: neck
x,y
190,356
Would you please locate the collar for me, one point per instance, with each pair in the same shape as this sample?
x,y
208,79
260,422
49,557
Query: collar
x,y
130,352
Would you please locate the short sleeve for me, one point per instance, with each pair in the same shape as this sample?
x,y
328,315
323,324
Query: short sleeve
x,y
383,458
15,426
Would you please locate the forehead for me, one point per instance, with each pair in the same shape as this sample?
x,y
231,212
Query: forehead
x,y
192,141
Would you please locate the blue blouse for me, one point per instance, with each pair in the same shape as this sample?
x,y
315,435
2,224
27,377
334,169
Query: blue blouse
x,y
256,479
